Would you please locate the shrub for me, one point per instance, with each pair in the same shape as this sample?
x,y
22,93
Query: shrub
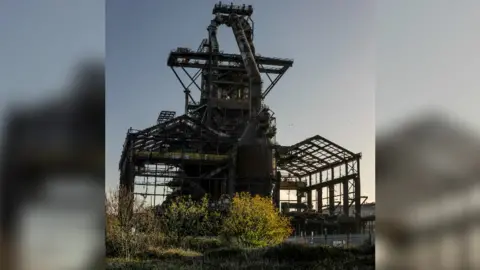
x,y
184,217
201,244
255,222
128,234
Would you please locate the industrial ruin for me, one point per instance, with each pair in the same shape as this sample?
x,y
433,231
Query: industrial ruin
x,y
224,143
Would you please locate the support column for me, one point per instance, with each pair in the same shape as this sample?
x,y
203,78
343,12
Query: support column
x,y
319,200
276,193
346,201
232,174
358,203
309,199
223,187
331,198
309,193
187,92
126,192
299,199
331,193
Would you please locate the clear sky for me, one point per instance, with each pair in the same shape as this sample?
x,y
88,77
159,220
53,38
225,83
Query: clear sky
x,y
329,91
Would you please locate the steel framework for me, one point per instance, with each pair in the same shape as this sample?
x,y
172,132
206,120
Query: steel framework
x,y
200,152
322,166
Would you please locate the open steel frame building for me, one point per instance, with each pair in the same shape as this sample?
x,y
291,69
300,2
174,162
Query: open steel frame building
x,y
224,142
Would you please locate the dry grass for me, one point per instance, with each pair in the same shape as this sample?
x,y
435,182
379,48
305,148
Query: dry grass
x,y
287,256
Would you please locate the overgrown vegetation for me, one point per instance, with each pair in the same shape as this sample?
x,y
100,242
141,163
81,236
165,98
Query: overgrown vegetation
x,y
188,235
127,236
254,222
185,217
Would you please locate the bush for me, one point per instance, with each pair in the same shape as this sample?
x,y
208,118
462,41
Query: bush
x,y
255,222
184,217
201,244
128,235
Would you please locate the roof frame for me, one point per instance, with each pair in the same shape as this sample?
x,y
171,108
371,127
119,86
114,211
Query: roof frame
x,y
313,155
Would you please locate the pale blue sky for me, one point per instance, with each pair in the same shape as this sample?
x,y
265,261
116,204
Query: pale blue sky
x,y
41,42
329,91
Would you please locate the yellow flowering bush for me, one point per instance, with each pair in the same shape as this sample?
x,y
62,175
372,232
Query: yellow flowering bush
x,y
254,221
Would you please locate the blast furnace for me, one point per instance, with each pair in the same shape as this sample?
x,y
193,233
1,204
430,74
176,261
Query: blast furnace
x,y
224,142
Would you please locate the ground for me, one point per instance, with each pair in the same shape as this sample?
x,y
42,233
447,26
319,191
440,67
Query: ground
x,y
286,256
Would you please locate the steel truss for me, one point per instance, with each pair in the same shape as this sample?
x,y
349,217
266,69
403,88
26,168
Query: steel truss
x,y
183,59
320,165
179,152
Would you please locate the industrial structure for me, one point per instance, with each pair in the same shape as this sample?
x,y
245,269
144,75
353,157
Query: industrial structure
x,y
224,143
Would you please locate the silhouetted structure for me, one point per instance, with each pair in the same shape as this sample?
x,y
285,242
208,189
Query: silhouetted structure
x,y
225,141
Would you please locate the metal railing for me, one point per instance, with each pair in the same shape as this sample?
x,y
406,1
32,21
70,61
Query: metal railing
x,y
335,240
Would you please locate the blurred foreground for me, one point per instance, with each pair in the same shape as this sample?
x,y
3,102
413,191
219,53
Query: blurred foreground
x,y
52,178
428,195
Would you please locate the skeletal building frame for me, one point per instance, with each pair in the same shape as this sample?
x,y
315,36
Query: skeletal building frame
x,y
322,166
197,150
204,122
148,154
